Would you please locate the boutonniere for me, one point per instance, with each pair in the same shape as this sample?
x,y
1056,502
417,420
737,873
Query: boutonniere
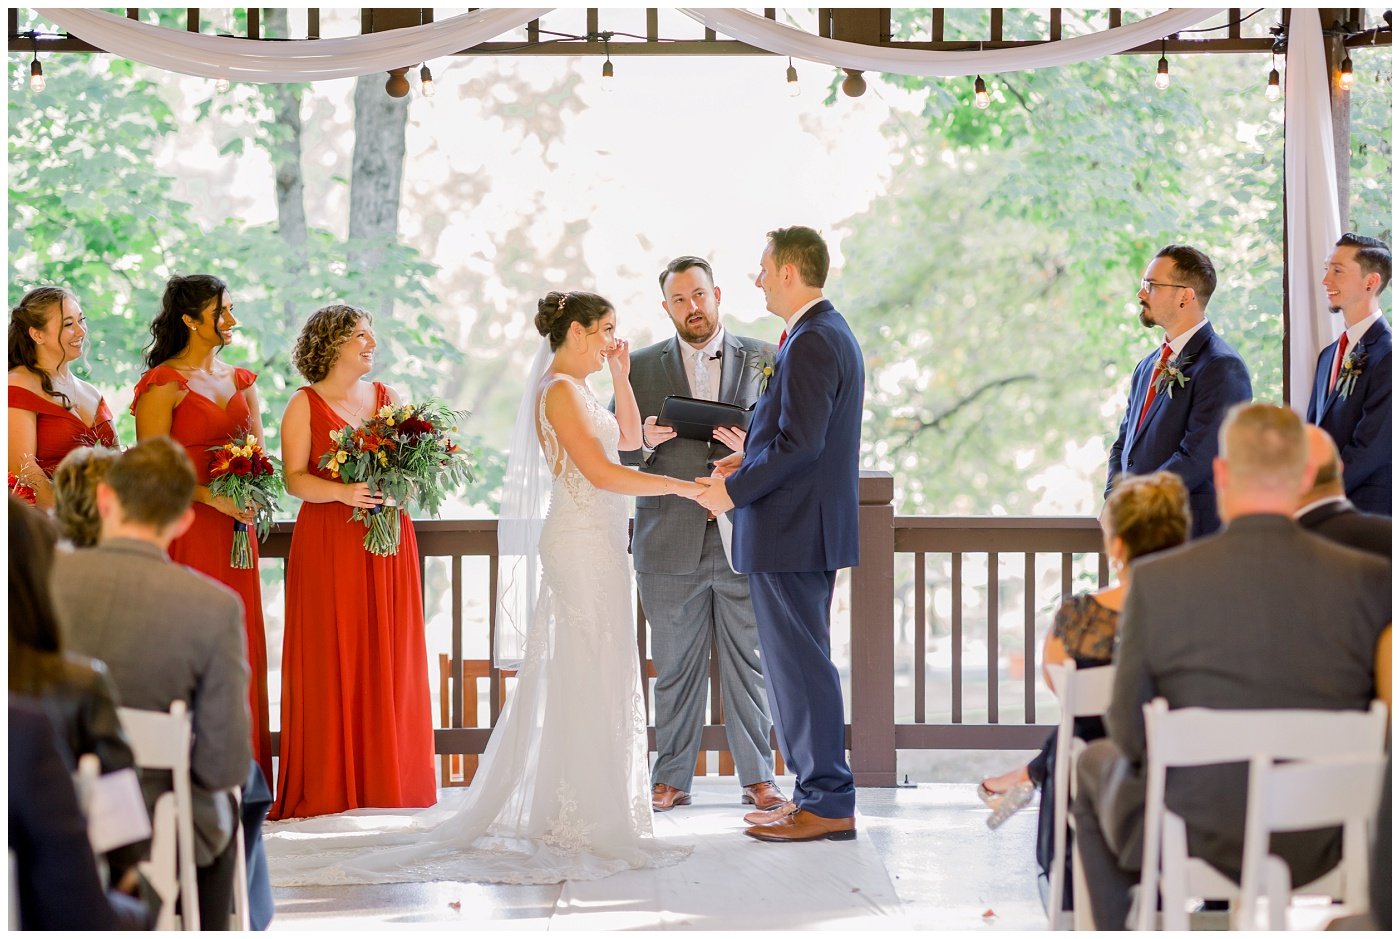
x,y
1353,366
762,367
1172,375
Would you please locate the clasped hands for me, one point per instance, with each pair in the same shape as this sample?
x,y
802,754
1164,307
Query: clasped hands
x,y
712,493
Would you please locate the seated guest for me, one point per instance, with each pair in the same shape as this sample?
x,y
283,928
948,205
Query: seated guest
x,y
75,494
75,691
1233,621
52,865
1145,514
166,633
1325,509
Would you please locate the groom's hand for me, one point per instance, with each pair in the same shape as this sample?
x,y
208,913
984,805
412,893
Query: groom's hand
x,y
716,496
727,465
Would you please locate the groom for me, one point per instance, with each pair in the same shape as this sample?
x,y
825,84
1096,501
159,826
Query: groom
x,y
794,495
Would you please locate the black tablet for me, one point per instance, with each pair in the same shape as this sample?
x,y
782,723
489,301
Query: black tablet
x,y
696,418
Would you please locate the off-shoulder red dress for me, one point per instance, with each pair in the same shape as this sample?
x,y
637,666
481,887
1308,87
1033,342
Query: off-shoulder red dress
x,y
61,431
357,727
198,424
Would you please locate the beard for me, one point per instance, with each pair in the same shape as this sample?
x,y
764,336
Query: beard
x,y
1334,309
1145,317
703,331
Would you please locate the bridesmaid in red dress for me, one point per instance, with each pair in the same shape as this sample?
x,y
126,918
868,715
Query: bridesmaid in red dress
x,y
200,402
357,728
52,411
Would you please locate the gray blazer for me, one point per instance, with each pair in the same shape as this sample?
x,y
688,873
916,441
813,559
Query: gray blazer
x,y
668,533
1261,615
167,633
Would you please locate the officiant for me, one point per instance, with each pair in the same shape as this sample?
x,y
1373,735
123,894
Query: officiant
x,y
691,596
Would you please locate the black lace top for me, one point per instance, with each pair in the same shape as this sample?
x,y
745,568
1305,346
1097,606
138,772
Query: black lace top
x,y
1088,629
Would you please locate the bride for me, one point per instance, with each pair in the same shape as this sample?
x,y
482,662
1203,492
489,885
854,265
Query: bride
x,y
562,789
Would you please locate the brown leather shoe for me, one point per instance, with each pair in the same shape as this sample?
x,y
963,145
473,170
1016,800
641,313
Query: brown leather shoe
x,y
771,815
664,797
764,796
804,826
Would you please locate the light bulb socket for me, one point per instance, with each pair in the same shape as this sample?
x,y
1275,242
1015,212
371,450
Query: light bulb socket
x,y
979,86
425,77
1273,90
1162,68
36,75
792,74
608,69
1346,77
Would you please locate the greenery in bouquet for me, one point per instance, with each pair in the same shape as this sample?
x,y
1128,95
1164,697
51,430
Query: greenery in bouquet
x,y
242,470
406,454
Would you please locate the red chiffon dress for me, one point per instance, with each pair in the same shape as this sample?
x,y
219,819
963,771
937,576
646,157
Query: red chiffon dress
x,y
199,424
60,431
357,727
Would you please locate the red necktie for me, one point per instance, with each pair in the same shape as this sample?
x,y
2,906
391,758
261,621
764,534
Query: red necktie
x,y
782,339
1337,365
1152,383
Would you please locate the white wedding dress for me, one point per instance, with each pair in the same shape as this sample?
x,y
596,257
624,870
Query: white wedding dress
x,y
562,790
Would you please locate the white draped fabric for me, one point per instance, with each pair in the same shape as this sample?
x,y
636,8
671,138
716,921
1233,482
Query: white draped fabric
x,y
1310,178
785,40
301,60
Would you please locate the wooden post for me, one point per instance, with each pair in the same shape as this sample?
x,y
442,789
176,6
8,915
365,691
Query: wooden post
x,y
872,636
1334,43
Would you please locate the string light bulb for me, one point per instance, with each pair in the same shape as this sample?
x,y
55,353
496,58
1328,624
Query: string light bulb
x,y
607,67
425,75
793,88
36,75
980,96
1164,78
1272,90
1346,78
221,86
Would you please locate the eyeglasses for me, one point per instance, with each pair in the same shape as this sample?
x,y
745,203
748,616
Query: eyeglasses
x,y
1147,285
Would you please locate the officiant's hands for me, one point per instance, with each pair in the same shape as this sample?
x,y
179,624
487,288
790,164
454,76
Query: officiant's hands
x,y
654,434
715,496
732,437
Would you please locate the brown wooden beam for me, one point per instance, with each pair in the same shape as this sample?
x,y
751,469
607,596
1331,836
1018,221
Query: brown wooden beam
x,y
653,25
1115,18
313,23
1056,24
936,32
1334,47
192,20
254,22
997,14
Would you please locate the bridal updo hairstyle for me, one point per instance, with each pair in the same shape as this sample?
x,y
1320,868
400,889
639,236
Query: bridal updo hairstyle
x,y
321,337
558,310
33,311
184,296
1150,513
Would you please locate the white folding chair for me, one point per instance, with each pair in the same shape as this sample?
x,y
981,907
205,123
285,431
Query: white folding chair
x,y
84,782
1345,792
162,741
1202,737
1084,693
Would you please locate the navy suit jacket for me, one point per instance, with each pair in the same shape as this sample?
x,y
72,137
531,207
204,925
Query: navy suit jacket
x,y
1181,433
1360,422
796,494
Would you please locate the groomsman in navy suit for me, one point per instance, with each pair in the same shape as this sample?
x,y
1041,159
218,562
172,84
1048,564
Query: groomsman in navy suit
x,y
1351,386
794,496
1180,393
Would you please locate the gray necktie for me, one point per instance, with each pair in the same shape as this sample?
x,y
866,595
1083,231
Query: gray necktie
x,y
702,377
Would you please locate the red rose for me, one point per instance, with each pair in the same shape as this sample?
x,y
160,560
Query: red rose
x,y
262,465
240,466
415,427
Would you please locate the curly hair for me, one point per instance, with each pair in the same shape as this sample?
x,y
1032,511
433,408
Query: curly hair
x,y
75,493
34,311
321,337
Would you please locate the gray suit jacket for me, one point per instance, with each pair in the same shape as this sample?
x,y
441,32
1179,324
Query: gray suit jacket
x,y
1261,615
668,533
167,633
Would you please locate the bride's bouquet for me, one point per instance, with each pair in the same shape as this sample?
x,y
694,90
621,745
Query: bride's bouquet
x,y
242,470
406,454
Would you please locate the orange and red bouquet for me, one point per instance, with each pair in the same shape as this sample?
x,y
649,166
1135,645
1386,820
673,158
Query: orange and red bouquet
x,y
242,470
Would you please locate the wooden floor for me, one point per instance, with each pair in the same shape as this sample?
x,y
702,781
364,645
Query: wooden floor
x,y
944,868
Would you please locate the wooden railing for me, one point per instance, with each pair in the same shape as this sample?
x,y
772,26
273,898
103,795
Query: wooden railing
x,y
910,558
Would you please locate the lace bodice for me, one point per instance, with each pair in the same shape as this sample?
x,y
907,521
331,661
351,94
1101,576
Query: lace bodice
x,y
571,491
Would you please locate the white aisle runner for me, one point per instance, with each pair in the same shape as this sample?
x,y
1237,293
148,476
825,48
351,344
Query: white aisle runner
x,y
734,882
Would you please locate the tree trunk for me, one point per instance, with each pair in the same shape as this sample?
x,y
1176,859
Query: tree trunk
x,y
376,178
285,150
